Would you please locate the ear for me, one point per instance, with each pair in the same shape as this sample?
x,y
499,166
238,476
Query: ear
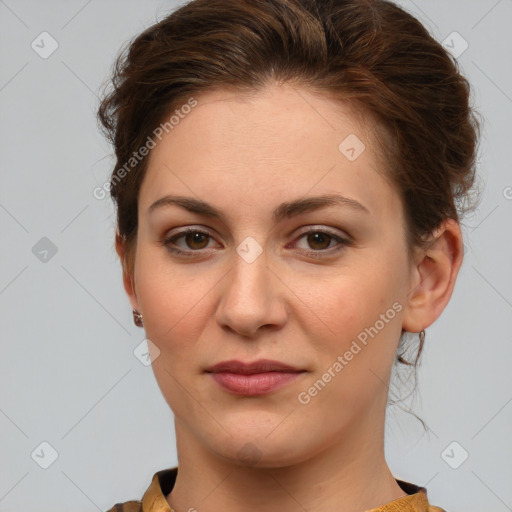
x,y
128,281
433,276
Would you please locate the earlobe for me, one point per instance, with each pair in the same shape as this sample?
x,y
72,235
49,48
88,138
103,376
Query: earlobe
x,y
128,283
434,275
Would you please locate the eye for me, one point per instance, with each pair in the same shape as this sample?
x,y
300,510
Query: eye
x,y
195,241
320,240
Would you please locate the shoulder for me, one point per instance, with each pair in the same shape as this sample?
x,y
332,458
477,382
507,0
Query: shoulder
x,y
154,499
127,506
416,499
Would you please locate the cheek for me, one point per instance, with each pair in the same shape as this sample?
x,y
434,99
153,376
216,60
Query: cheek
x,y
171,296
362,324
173,301
352,303
356,353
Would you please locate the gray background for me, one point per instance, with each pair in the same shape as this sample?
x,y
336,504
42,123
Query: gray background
x,y
68,373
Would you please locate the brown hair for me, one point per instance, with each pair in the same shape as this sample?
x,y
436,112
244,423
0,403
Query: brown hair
x,y
370,53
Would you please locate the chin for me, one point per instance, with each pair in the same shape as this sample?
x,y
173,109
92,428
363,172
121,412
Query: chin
x,y
245,449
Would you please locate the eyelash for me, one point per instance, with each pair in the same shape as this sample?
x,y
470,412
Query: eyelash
x,y
343,242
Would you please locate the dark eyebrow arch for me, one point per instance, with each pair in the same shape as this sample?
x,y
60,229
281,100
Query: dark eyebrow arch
x,y
284,210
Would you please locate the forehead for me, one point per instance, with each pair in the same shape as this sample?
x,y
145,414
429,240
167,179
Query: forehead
x,y
282,142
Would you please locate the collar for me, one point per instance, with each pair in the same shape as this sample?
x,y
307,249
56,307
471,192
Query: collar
x,y
154,499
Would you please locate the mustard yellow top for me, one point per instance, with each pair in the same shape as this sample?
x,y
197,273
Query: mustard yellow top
x,y
163,482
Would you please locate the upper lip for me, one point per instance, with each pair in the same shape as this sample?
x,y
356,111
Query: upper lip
x,y
259,366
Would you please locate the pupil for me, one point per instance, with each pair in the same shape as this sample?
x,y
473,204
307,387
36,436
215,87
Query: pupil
x,y
318,237
196,238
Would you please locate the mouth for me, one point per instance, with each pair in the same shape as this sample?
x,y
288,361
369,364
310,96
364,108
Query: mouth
x,y
254,378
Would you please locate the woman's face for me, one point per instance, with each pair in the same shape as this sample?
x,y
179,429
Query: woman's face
x,y
252,284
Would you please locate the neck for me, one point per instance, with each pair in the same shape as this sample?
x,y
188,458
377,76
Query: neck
x,y
350,475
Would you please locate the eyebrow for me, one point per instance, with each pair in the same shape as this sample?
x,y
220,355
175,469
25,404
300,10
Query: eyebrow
x,y
284,210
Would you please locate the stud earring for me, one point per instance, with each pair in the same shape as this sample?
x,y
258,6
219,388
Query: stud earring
x,y
421,336
137,318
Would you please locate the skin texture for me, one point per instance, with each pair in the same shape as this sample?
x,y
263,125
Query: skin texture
x,y
245,155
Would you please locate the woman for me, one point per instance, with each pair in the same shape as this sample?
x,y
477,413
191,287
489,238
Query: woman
x,y
287,181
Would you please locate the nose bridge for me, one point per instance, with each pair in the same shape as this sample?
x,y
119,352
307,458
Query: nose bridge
x,y
249,277
250,266
250,297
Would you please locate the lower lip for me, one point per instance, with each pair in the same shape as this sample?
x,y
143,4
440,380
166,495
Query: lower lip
x,y
253,385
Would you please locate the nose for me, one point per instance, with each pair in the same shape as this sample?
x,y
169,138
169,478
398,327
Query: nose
x,y
252,298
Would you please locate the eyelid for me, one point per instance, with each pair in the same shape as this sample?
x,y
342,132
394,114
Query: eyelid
x,y
188,229
323,229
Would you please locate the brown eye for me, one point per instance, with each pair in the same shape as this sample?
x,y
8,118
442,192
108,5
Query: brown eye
x,y
319,240
196,240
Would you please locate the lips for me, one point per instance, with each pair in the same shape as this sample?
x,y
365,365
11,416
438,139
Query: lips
x,y
260,366
254,378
